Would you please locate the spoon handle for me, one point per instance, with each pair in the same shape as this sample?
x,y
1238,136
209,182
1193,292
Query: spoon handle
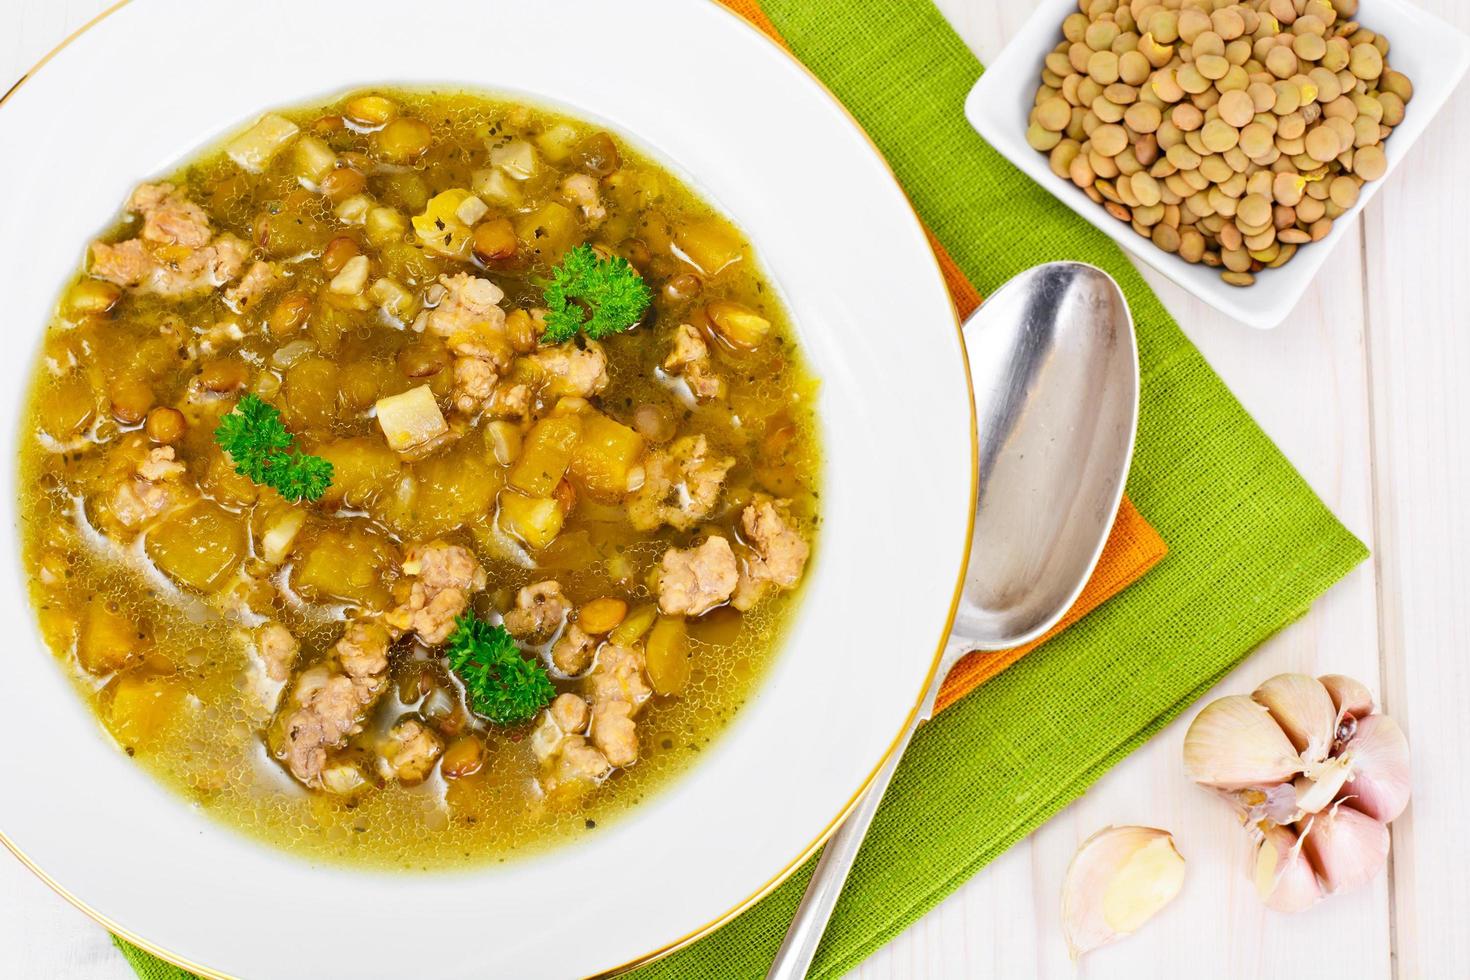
x,y
799,947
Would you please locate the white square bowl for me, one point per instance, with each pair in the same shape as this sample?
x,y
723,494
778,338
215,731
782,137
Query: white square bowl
x,y
1432,53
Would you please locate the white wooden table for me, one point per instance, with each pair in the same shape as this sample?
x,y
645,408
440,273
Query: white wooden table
x,y
1366,391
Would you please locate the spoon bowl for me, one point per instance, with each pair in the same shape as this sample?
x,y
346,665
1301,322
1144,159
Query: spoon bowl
x,y
1054,364
1055,369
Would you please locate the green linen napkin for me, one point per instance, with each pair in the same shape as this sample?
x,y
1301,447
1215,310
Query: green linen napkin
x,y
1250,545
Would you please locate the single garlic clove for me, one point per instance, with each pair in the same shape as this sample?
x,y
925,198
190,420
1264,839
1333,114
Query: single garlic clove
x,y
1234,744
1119,879
1284,879
1346,848
1316,791
1381,776
1349,697
1303,709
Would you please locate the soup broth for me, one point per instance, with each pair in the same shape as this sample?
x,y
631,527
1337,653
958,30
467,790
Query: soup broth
x,y
378,277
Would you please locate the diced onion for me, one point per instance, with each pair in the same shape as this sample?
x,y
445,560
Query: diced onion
x,y
289,354
314,159
395,300
411,418
280,534
353,277
493,184
254,149
354,210
471,210
517,158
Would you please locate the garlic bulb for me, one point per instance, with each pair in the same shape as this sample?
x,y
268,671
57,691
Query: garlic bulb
x,y
1284,879
1346,848
1303,709
1315,775
1349,697
1381,779
1118,879
1234,744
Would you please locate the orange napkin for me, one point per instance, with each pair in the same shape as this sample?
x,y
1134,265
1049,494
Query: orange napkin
x,y
1133,545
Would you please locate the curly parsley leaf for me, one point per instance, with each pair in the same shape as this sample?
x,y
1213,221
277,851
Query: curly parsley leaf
x,y
301,477
501,684
262,450
614,294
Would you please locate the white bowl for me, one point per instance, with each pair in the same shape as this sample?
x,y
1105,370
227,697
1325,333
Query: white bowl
x,y
1432,53
708,94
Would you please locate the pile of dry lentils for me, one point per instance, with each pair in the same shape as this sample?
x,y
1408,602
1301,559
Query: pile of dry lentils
x,y
1227,133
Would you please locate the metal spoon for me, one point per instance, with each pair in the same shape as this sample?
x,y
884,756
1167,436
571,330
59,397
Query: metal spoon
x,y
1055,369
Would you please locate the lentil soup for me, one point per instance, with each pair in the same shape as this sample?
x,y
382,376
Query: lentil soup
x,y
418,479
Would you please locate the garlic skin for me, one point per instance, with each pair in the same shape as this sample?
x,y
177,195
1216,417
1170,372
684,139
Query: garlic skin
x,y
1234,744
1381,778
1119,879
1269,804
1345,847
1284,879
1303,708
1349,697
1317,791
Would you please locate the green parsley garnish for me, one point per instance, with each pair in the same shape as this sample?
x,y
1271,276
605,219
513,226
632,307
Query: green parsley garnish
x,y
263,450
615,294
501,685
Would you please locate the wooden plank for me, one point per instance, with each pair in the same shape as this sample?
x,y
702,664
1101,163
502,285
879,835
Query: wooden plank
x,y
1418,303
